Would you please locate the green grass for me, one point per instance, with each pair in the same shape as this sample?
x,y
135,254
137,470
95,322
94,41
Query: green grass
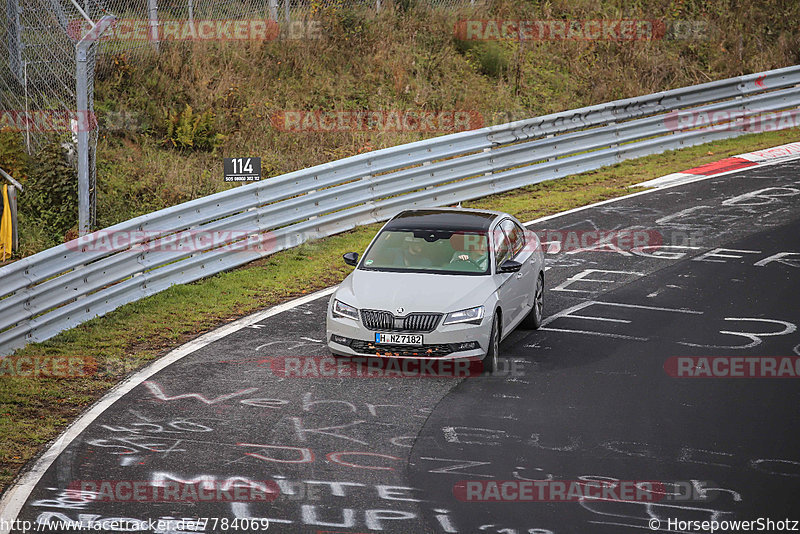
x,y
34,411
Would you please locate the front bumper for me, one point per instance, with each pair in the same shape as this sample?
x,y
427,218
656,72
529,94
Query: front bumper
x,y
444,343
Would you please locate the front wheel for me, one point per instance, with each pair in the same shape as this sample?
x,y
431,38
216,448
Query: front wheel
x,y
490,361
534,318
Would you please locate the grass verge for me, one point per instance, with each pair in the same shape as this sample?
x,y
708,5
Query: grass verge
x,y
34,410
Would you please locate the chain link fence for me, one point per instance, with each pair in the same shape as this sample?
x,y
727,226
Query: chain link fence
x,y
47,81
51,50
159,13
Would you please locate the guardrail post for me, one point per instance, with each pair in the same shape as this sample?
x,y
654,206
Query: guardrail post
x,y
425,164
616,134
742,121
312,191
616,146
490,172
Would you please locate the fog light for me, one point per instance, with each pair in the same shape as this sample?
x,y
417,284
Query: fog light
x,y
341,340
468,345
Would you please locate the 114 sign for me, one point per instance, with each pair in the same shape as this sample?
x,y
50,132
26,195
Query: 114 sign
x,y
242,169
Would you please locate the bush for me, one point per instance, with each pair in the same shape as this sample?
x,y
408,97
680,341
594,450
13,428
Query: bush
x,y
51,194
489,58
187,130
404,6
344,26
492,59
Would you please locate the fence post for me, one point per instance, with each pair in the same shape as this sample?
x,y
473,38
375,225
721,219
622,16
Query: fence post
x,y
273,10
14,36
286,9
152,15
82,100
85,121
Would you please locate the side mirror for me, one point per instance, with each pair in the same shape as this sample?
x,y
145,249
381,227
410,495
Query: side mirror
x,y
509,266
351,258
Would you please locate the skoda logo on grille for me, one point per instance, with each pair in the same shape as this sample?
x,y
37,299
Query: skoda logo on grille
x,y
400,310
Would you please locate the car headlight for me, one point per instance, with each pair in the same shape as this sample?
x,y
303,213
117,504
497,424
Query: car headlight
x,y
340,309
471,315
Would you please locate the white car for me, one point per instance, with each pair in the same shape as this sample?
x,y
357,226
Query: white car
x,y
445,283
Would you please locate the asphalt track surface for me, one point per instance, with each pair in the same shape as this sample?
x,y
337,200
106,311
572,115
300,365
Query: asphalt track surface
x,y
586,396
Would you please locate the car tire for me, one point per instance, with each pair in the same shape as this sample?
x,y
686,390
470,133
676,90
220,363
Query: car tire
x,y
490,361
534,318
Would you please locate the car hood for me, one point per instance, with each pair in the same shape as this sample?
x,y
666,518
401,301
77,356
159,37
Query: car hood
x,y
416,292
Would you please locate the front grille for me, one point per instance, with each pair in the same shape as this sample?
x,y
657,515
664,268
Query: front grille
x,y
429,351
413,322
421,322
377,320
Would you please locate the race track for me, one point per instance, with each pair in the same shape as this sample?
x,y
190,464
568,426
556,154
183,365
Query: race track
x,y
587,396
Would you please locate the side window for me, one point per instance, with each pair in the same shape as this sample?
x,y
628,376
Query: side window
x,y
502,251
516,235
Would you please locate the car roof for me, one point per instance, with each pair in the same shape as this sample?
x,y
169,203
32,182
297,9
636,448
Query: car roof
x,y
444,219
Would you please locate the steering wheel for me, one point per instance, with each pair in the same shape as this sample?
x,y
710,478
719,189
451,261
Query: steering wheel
x,y
468,260
475,263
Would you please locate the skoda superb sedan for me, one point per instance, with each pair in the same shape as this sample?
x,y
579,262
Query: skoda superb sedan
x,y
439,283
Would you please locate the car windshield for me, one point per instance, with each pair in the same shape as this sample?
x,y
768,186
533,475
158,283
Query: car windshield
x,y
437,251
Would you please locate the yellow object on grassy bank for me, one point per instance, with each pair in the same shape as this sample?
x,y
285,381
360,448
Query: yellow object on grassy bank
x,y
6,233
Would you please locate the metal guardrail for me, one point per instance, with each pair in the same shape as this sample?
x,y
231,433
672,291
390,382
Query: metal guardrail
x,y
64,286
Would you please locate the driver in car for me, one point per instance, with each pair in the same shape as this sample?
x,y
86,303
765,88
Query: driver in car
x,y
469,250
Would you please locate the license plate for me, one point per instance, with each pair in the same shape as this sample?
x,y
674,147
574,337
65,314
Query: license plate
x,y
399,339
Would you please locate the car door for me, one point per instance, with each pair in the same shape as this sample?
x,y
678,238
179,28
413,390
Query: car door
x,y
507,283
525,278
